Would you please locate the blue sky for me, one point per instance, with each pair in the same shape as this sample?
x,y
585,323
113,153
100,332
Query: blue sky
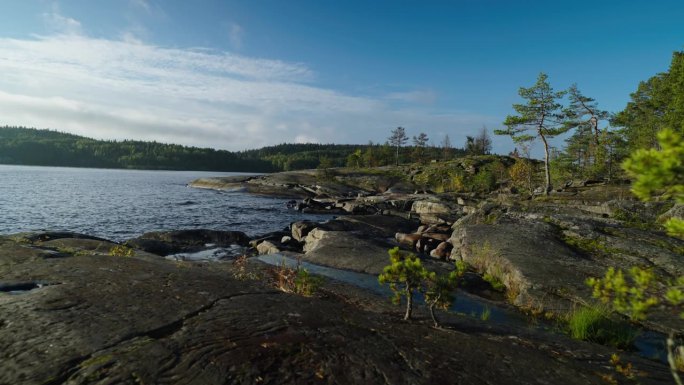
x,y
244,74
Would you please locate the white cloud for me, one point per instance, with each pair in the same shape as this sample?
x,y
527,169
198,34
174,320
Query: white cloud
x,y
235,35
141,4
418,96
57,23
305,139
129,89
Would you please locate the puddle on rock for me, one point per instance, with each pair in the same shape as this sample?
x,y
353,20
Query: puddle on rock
x,y
648,344
22,287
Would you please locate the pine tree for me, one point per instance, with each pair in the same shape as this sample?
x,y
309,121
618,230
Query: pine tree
x,y
398,139
541,117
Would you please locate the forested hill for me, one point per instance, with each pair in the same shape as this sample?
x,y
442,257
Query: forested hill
x,y
29,146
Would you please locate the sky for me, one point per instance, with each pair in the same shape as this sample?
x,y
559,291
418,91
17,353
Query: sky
x,y
245,74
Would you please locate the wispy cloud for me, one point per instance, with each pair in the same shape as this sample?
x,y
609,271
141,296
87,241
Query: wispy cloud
x,y
129,89
57,23
417,96
141,4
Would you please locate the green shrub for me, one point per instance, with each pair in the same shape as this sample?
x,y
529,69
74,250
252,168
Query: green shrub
x,y
494,281
121,251
594,324
296,280
486,313
306,284
483,182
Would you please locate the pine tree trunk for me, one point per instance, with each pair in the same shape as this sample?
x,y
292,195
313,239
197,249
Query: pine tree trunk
x,y
397,158
409,303
671,359
432,314
547,171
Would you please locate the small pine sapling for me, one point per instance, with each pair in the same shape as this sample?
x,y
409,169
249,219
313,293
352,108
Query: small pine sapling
x,y
439,289
405,274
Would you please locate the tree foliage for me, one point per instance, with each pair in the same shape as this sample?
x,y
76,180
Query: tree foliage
x,y
481,144
657,172
397,139
405,274
540,117
419,144
660,173
586,148
657,103
439,289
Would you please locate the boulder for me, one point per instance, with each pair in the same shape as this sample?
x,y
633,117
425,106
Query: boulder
x,y
442,251
171,242
408,239
435,212
267,247
346,250
426,245
301,228
529,260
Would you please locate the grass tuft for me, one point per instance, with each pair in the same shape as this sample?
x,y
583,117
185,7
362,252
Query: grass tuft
x,y
594,324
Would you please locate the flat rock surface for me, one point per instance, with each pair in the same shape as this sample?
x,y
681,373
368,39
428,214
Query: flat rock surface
x,y
97,318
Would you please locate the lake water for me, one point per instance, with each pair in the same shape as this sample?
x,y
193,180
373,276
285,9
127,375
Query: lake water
x,y
122,204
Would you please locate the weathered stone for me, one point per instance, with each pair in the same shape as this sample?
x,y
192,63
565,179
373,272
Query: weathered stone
x,y
267,247
442,251
407,239
435,212
436,236
426,245
346,250
170,242
301,229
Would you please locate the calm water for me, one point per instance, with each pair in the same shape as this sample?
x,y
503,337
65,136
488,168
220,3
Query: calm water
x,y
121,204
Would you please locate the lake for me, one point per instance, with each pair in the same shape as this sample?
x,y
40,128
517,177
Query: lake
x,y
122,204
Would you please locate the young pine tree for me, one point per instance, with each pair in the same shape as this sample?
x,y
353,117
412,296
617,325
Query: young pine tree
x,y
405,275
540,117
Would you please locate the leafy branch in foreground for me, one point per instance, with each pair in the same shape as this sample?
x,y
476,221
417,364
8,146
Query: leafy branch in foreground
x,y
661,172
657,172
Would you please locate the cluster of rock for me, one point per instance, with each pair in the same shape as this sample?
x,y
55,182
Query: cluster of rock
x,y
542,250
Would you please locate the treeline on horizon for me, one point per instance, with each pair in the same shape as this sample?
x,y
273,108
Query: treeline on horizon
x,y
42,147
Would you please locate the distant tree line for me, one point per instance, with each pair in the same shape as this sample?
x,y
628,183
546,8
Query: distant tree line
x,y
28,146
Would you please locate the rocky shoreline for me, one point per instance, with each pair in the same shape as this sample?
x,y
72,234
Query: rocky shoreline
x,y
81,309
541,249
